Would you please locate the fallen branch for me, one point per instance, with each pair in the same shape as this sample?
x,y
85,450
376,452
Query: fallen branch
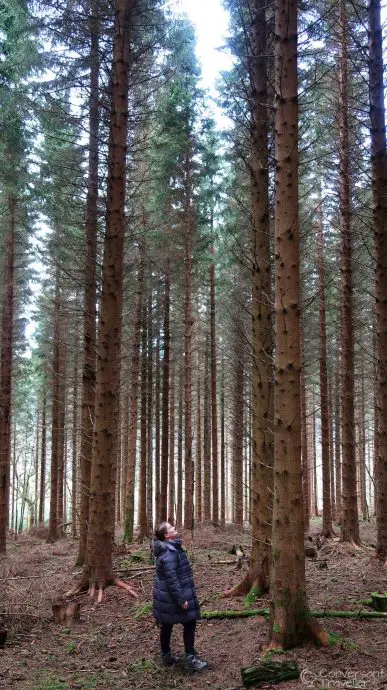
x,y
24,615
134,570
234,562
29,577
270,672
23,577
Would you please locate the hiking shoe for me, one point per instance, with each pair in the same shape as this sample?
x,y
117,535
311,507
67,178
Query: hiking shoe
x,y
193,662
169,659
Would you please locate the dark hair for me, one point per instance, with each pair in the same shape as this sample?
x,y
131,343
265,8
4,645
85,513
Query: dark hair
x,y
161,531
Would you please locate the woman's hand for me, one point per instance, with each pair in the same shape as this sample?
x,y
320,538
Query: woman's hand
x,y
185,605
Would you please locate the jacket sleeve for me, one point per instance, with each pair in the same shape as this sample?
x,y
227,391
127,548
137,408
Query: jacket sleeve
x,y
171,578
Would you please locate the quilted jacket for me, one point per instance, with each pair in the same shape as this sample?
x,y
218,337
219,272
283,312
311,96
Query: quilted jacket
x,y
173,584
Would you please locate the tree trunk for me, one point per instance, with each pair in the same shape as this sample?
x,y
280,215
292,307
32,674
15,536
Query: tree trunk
x,y
327,529
36,471
262,326
198,464
291,618
53,522
222,453
305,458
15,483
188,323
361,446
142,502
331,450
214,407
157,414
6,374
206,441
133,409
90,295
179,488
74,468
61,511
117,493
149,469
43,450
124,416
379,196
314,457
338,450
237,455
171,468
165,401
98,569
350,520
258,577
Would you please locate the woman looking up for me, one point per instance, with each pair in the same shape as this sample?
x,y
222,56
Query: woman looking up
x,y
174,597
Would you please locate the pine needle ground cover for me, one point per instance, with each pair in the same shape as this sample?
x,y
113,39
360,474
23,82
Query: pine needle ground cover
x,y
115,645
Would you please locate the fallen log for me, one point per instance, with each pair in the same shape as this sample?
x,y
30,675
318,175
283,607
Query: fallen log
x,y
269,672
247,613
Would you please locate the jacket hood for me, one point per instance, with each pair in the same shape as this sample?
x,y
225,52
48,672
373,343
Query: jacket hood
x,y
159,546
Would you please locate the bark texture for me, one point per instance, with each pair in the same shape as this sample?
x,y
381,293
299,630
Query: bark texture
x,y
350,520
327,528
379,194
90,294
291,619
214,406
53,520
258,577
98,569
165,403
133,409
238,417
6,374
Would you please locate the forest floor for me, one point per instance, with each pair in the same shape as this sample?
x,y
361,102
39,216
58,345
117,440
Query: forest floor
x,y
115,644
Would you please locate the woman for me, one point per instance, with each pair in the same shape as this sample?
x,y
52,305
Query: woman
x,y
174,597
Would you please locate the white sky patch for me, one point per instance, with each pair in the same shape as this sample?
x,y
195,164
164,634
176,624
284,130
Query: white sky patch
x,y
211,24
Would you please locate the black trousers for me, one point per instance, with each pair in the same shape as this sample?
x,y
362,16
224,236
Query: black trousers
x,y
188,637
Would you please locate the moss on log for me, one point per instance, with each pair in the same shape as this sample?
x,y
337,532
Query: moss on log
x,y
379,601
269,672
246,613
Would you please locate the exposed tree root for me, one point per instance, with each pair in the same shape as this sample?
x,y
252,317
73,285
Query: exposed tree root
x,y
85,586
255,581
316,632
357,545
240,590
273,646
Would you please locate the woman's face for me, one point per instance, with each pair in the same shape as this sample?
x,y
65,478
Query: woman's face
x,y
171,532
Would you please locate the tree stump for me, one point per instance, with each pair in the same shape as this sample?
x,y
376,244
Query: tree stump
x,y
379,601
310,550
66,612
269,672
3,638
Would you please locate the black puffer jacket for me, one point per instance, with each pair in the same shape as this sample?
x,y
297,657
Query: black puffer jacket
x,y
173,584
